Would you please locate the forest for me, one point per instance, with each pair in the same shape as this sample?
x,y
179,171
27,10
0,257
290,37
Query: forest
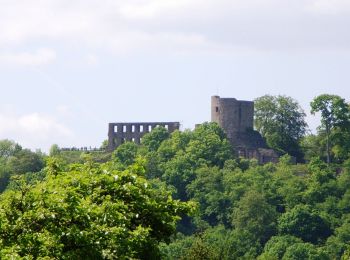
x,y
186,195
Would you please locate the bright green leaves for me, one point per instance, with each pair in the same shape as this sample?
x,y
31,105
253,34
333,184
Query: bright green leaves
x,y
335,121
125,154
154,139
17,161
281,121
91,211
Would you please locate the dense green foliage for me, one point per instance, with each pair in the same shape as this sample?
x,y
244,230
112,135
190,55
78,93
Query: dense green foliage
x,y
246,210
90,211
281,121
335,123
14,160
278,211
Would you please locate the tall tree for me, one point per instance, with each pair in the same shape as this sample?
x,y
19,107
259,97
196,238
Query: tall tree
x,y
335,113
15,160
281,121
8,148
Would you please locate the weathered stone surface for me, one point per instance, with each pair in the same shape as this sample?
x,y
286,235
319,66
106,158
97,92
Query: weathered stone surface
x,y
236,117
119,133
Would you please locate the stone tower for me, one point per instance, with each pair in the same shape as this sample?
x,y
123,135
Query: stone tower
x,y
236,117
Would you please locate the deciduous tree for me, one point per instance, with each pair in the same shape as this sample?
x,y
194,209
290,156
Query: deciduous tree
x,y
281,121
335,113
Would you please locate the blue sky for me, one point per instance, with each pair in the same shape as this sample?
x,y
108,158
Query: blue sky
x,y
67,68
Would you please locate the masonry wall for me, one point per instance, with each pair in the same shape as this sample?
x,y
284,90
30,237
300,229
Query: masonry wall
x,y
118,133
234,116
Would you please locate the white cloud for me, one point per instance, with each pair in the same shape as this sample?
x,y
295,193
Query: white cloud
x,y
44,126
33,130
40,57
178,25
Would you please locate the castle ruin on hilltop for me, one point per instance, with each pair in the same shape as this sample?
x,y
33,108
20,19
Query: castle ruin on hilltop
x,y
236,117
119,133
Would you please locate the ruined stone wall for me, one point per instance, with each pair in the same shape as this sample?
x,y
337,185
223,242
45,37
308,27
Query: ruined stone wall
x,y
118,133
262,155
236,117
233,114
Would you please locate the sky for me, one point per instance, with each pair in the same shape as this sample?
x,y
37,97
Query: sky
x,y
69,67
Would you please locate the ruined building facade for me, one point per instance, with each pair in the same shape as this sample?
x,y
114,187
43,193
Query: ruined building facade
x,y
236,117
119,133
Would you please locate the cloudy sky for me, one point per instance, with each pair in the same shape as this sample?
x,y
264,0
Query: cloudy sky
x,y
68,67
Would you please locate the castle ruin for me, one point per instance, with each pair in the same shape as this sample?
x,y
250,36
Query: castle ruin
x,y
118,133
236,117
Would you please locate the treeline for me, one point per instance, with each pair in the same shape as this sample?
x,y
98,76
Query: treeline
x,y
14,160
246,210
281,121
126,204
